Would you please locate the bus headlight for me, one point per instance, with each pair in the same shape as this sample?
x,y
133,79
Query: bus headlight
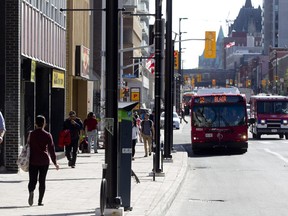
x,y
262,121
244,137
285,122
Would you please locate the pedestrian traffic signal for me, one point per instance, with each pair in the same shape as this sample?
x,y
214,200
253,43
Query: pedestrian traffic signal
x,y
210,44
176,60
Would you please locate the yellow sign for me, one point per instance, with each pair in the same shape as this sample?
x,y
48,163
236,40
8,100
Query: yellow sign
x,y
210,44
58,79
176,60
135,96
33,70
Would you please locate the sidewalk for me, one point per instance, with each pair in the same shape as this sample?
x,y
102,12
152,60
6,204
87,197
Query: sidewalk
x,y
77,191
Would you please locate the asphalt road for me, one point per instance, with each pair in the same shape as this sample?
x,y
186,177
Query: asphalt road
x,y
220,183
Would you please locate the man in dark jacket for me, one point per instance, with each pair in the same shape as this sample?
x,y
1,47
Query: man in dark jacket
x,y
75,125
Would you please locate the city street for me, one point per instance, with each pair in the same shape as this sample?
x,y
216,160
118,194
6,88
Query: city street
x,y
219,183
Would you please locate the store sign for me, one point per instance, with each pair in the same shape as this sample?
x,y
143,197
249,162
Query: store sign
x,y
135,96
58,79
82,67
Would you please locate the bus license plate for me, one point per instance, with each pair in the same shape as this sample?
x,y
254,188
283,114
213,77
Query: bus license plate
x,y
208,135
274,130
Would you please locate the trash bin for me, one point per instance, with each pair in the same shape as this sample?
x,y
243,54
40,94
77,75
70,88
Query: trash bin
x,y
125,118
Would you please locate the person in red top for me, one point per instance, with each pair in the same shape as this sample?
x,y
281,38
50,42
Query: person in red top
x,y
90,127
41,147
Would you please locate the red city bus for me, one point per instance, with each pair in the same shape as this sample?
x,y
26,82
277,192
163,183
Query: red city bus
x,y
219,119
269,114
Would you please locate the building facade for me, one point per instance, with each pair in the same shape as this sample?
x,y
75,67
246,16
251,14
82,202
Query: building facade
x,y
33,44
275,29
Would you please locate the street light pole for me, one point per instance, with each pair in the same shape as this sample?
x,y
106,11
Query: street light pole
x,y
276,78
169,77
158,68
179,65
111,106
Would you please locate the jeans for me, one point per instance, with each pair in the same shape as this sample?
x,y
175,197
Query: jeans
x,y
92,139
74,148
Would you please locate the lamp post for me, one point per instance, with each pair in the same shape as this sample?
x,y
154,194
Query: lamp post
x,y
179,65
276,77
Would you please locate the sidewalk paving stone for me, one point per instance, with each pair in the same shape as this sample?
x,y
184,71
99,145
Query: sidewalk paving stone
x,y
77,191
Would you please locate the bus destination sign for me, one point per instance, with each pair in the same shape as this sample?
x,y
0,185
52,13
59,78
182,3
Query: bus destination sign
x,y
217,99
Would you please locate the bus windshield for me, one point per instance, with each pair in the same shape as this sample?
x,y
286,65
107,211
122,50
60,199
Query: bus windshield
x,y
186,98
272,107
224,115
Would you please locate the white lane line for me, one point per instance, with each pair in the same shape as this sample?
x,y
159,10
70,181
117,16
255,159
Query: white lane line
x,y
277,155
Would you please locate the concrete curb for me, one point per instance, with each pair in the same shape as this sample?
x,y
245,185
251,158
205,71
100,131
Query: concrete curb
x,y
167,198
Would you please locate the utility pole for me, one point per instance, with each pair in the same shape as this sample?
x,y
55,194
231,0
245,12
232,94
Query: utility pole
x,y
111,106
180,66
169,78
158,59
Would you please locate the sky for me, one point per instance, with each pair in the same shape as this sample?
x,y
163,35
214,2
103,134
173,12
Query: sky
x,y
203,15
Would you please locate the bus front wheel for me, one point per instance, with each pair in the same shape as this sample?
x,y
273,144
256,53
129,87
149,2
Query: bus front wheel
x,y
286,136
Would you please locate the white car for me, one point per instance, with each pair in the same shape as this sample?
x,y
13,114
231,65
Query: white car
x,y
176,120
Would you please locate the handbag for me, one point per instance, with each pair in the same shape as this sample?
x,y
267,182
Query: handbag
x,y
64,138
24,157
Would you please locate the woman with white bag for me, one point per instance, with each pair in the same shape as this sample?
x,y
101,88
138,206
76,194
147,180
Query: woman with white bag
x,y
41,147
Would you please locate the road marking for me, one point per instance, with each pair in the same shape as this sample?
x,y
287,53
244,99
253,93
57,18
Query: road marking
x,y
277,155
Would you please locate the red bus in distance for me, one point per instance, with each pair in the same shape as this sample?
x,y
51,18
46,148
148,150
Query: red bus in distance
x,y
219,119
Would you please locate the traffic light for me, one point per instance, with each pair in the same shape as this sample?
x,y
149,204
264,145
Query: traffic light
x,y
176,60
213,82
199,77
210,44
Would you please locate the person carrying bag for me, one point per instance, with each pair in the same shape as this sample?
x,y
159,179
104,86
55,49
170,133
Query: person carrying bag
x,y
24,157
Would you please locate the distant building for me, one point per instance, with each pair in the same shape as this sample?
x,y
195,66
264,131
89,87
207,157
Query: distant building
x,y
275,28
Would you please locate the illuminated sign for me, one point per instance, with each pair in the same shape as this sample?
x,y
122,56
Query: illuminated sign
x,y
217,99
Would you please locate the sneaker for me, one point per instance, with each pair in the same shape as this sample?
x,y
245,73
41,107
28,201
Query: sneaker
x,y
133,158
40,204
96,151
30,199
145,155
150,154
72,166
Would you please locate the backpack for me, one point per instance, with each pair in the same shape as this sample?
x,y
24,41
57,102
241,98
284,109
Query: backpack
x,y
64,138
142,124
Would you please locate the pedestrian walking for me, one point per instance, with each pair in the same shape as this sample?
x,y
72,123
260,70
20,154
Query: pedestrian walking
x,y
75,125
183,115
41,147
147,131
90,127
135,133
138,123
2,127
